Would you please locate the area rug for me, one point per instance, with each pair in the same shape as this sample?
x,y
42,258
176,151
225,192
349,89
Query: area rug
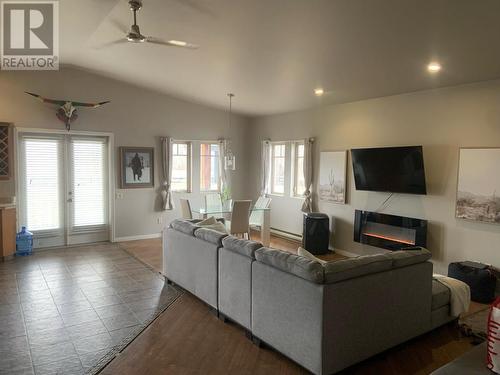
x,y
72,310
475,324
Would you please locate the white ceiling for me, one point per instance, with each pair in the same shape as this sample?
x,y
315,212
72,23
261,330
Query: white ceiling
x,y
273,53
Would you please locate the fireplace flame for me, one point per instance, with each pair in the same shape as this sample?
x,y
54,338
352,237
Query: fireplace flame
x,y
390,238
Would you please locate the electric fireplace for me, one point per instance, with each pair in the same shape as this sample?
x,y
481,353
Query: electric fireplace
x,y
389,231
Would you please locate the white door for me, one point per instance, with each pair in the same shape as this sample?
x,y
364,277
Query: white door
x,y
64,188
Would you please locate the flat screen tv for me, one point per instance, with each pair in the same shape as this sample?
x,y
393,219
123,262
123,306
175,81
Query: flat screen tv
x,y
389,169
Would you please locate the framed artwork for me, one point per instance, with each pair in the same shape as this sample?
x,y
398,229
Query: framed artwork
x,y
332,176
478,186
137,167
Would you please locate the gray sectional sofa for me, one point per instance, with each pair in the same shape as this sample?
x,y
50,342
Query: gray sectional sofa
x,y
324,317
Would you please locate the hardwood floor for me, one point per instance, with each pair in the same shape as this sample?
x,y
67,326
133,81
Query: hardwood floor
x,y
149,251
188,339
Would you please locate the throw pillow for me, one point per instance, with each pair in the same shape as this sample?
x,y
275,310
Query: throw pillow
x,y
208,221
212,223
303,252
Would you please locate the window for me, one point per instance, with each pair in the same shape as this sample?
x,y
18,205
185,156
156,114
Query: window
x,y
299,186
209,167
278,152
181,166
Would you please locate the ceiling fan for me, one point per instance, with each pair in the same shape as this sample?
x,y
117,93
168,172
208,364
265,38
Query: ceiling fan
x,y
134,35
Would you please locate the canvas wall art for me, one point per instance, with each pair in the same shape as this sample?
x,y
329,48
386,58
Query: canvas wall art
x,y
478,188
332,176
137,167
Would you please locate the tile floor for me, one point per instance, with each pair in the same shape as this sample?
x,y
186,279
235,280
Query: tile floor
x,y
62,310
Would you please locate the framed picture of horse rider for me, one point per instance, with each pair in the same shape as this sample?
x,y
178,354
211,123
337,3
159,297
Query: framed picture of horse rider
x,y
137,167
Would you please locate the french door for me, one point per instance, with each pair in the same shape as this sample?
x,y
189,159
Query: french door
x,y
63,186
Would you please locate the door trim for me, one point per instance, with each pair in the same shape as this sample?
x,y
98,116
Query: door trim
x,y
111,165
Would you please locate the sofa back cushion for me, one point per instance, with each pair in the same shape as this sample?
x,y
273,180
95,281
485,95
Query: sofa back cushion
x,y
355,267
240,246
210,235
184,226
407,258
291,263
339,270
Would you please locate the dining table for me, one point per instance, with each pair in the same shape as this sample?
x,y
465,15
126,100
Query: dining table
x,y
265,214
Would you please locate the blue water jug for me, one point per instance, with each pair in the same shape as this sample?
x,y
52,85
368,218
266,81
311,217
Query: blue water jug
x,y
24,242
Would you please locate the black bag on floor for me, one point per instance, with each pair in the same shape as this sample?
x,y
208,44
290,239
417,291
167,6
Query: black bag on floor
x,y
479,277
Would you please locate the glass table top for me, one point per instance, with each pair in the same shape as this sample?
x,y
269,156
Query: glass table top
x,y
222,210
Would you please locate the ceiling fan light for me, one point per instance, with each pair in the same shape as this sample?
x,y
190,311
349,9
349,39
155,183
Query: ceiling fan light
x,y
179,43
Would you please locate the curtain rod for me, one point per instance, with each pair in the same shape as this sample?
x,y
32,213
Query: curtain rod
x,y
311,139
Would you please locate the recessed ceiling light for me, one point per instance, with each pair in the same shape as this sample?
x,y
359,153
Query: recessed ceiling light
x,y
434,67
319,92
179,43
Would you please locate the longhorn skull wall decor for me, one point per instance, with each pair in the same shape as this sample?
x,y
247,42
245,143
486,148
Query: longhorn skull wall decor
x,y
67,111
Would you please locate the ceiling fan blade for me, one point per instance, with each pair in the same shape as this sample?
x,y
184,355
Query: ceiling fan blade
x,y
120,26
112,43
172,43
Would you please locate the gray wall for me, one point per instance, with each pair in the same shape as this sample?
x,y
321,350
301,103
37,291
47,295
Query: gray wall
x,y
441,120
136,116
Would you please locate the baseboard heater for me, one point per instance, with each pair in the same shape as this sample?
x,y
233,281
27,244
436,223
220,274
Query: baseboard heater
x,y
286,235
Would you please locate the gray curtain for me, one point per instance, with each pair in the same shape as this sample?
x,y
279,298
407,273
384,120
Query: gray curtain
x,y
222,166
265,170
166,190
308,174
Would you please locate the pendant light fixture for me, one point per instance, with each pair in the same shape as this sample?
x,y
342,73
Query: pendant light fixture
x,y
229,158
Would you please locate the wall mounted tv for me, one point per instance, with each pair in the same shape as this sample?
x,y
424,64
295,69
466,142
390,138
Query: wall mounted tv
x,y
389,169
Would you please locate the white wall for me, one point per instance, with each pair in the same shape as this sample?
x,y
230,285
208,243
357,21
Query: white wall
x,y
136,116
441,120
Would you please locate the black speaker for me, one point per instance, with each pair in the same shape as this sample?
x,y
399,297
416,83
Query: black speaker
x,y
316,233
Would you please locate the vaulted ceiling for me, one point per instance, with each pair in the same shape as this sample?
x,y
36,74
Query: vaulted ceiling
x,y
273,53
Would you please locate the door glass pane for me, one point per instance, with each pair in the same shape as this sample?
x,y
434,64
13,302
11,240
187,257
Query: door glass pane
x,y
89,183
42,184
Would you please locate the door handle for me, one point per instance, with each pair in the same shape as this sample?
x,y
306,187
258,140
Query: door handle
x,y
70,200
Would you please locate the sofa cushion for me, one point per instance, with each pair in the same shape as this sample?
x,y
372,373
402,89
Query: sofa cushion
x,y
409,257
210,235
355,267
440,295
184,226
291,263
243,247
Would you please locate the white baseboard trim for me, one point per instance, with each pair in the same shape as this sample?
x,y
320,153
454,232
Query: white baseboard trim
x,y
138,237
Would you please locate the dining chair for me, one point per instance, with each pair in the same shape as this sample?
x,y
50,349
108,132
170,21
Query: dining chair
x,y
257,216
240,215
186,209
213,202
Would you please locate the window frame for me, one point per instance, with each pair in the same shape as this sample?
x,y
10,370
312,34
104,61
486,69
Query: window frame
x,y
272,169
189,179
295,170
215,143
